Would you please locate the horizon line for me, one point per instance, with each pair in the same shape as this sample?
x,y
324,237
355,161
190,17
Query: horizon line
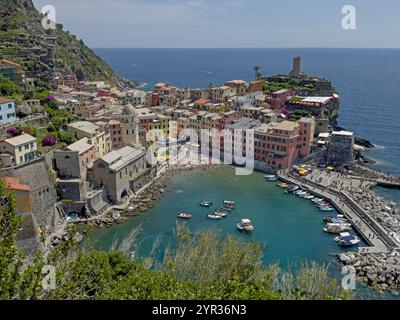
x,y
244,48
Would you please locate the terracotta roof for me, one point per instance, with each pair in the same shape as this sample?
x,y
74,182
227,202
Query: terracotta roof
x,y
5,100
14,184
201,102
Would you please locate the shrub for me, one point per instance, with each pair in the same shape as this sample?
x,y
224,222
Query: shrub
x,y
12,132
49,141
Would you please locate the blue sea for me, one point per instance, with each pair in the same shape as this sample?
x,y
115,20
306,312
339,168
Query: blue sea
x,y
368,82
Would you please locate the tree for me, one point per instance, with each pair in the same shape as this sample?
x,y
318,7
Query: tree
x,y
16,281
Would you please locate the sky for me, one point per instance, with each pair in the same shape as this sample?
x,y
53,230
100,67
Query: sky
x,y
228,23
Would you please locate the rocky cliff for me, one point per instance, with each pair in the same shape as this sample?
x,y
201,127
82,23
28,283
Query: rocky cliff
x,y
46,52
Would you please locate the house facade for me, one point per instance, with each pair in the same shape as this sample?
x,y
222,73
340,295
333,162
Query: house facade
x,y
7,111
18,150
118,171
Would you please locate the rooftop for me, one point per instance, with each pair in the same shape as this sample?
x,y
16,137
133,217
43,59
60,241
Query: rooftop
x,y
117,159
245,123
15,184
81,145
19,140
85,126
285,125
5,100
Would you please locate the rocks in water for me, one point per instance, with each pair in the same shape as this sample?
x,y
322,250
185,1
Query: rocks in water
x,y
376,269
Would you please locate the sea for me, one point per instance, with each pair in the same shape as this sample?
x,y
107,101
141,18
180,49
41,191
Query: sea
x,y
290,229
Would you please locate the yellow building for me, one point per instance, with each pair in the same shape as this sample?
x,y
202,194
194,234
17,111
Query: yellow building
x,y
99,135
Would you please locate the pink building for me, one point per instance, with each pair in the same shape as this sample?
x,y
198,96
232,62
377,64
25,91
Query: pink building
x,y
279,145
116,134
278,98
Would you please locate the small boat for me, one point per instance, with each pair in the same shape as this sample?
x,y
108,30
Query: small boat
x,y
206,204
340,236
309,197
245,225
283,185
184,215
327,208
227,202
213,216
339,222
303,194
348,240
220,213
271,178
336,228
292,188
332,218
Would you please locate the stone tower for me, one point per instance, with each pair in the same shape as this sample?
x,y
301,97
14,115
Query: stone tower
x,y
130,125
296,71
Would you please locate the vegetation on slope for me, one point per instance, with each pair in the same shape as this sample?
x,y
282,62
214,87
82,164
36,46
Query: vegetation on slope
x,y
40,51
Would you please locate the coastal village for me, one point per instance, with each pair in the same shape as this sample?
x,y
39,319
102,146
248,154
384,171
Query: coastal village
x,y
81,153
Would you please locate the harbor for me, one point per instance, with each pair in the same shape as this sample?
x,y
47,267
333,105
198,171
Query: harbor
x,y
373,218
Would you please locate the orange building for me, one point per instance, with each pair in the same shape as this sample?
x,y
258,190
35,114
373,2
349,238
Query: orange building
x,y
22,193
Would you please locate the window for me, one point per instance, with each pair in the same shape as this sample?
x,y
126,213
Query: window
x,y
1,117
9,106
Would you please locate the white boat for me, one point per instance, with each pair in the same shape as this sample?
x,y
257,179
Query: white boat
x,y
340,236
309,197
271,178
214,217
327,208
206,203
292,188
228,202
348,240
338,222
221,213
245,225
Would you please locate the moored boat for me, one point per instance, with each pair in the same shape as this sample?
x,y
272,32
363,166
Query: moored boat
x,y
184,215
327,208
292,188
283,185
213,216
336,228
331,218
223,214
206,203
245,225
271,178
228,202
348,240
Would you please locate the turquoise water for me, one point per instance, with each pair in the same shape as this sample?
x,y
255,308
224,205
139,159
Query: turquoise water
x,y
288,226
